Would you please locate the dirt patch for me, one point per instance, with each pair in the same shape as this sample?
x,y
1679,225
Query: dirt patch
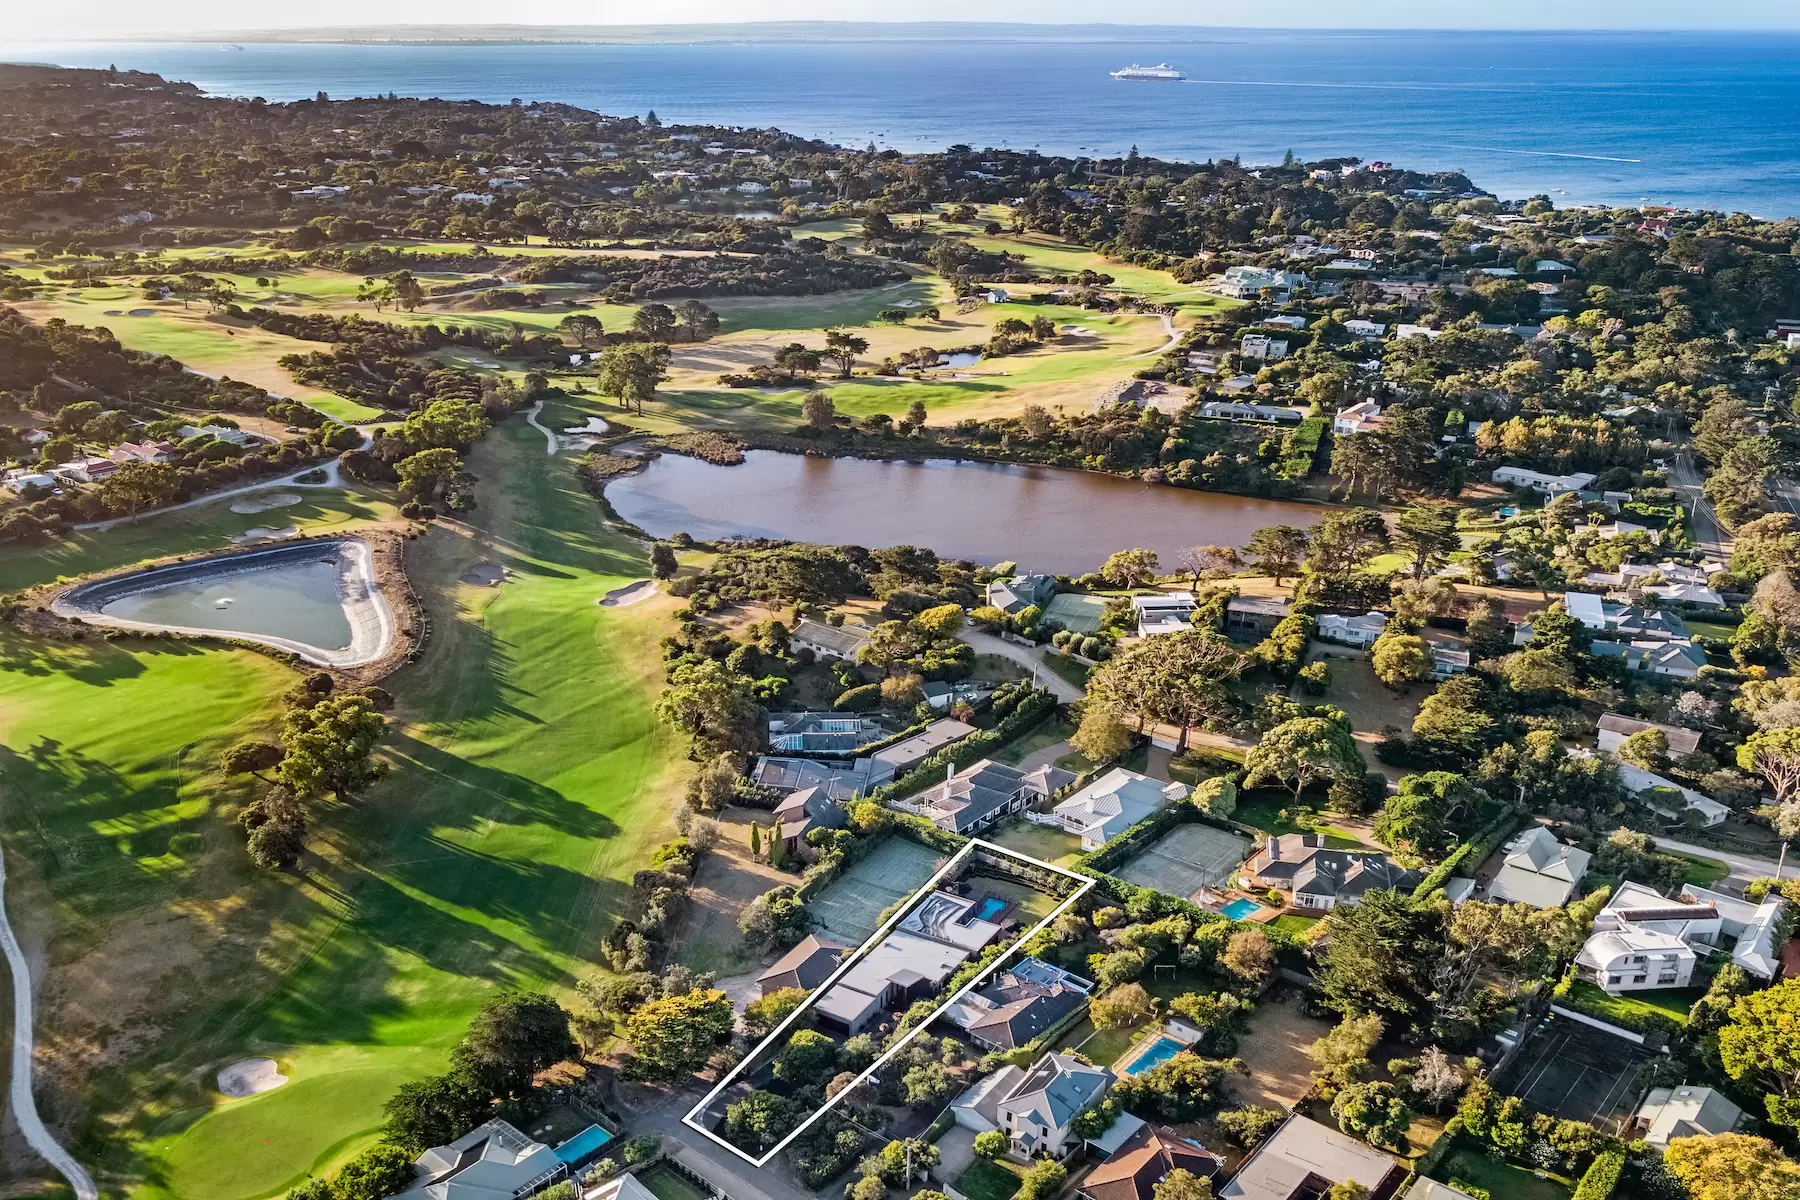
x,y
727,880
261,533
248,1077
257,504
631,593
1274,1049
484,574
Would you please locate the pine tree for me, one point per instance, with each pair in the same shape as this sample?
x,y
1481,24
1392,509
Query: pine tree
x,y
755,840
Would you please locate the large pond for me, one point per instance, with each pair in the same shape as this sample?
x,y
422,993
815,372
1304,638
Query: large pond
x,y
318,600
1043,518
296,600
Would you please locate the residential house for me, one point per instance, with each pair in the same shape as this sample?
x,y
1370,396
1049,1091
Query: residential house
x,y
829,641
221,433
1447,659
1538,481
1655,790
623,1187
25,478
1303,1160
1247,283
1677,660
803,811
1644,940
1114,803
1014,595
1252,618
1670,1113
1431,1189
1164,612
806,966
1020,1005
903,756
85,468
982,793
1614,729
1425,331
1698,595
1263,348
1353,631
914,960
493,1161
1241,411
1358,418
842,781
1237,385
1317,876
1038,1110
1145,1159
1366,330
1539,870
822,732
149,452
1755,928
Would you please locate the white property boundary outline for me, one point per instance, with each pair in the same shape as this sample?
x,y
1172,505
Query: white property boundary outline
x,y
1086,882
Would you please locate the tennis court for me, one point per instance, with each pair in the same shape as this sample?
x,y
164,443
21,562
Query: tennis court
x,y
850,907
1570,1070
1187,859
1076,612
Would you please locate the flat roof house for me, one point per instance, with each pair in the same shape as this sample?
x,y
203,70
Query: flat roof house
x,y
1303,1159
1320,877
1114,803
829,641
903,756
982,793
1251,618
913,961
1165,612
1539,870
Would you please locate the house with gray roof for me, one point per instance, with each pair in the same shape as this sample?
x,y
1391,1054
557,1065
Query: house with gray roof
x,y
1114,803
829,641
1019,1005
806,966
1539,870
903,756
804,811
982,793
842,781
1318,876
822,732
493,1161
1303,1160
1670,1113
1037,1111
1013,596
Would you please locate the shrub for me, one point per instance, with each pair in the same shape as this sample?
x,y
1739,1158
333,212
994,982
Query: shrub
x,y
1601,1177
859,699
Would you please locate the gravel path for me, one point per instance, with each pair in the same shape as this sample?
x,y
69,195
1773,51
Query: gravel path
x,y
531,418
1029,657
24,1105
1174,338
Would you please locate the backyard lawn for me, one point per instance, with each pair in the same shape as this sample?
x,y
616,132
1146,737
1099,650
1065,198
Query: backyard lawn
x,y
1274,812
1632,1008
1039,841
1498,1177
1701,871
1294,923
983,1180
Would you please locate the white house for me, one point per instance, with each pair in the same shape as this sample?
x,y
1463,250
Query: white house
x,y
1699,595
1631,959
1538,481
1670,1113
1245,283
1358,418
1263,348
1755,926
1637,780
829,641
1166,612
1238,410
1353,631
1539,870
1367,330
1675,659
1114,803
1036,1112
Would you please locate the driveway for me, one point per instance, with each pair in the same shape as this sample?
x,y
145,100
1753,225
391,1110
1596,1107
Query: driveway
x,y
1029,657
711,1161
956,1150
1744,867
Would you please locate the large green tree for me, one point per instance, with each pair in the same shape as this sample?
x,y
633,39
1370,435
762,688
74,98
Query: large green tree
x,y
1381,955
677,1034
512,1038
632,372
1177,678
1760,1044
330,747
1302,752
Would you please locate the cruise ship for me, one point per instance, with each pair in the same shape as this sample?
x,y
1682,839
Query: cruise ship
x,y
1161,71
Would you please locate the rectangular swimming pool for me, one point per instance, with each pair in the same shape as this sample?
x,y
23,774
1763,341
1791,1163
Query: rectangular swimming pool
x,y
1160,1051
1241,908
582,1146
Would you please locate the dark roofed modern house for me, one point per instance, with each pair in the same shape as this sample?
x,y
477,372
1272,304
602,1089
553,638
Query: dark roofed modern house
x,y
806,966
806,810
1020,1005
1145,1160
982,793
1320,877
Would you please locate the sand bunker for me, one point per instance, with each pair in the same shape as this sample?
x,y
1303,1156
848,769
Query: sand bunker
x,y
594,425
485,574
256,504
113,312
260,534
631,593
248,1077
142,312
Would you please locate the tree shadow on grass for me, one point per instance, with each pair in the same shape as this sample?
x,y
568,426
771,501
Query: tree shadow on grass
x,y
94,660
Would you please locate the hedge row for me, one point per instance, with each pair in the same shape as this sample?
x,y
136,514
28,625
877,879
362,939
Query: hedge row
x,y
1472,852
1030,713
1602,1176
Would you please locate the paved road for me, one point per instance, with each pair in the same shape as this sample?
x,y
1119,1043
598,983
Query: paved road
x,y
1705,528
332,479
1168,329
24,1104
1744,867
1029,657
712,1162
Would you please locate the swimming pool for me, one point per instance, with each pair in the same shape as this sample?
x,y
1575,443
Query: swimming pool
x,y
992,907
1241,908
1160,1051
583,1146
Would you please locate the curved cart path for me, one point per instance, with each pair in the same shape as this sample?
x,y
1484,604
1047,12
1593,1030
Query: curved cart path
x,y
1174,340
531,418
24,1105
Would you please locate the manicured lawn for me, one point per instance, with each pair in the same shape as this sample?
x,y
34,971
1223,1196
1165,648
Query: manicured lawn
x,y
986,1180
1076,673
1275,813
1294,923
1103,1046
665,1184
1498,1177
1655,1002
1039,841
1701,870
530,782
1045,735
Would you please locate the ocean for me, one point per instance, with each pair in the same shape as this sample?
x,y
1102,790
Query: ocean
x,y
1693,120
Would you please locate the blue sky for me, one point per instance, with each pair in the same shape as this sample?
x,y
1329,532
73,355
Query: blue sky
x,y
101,18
